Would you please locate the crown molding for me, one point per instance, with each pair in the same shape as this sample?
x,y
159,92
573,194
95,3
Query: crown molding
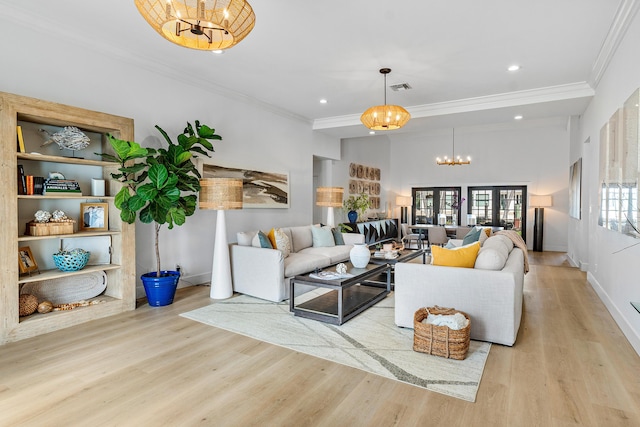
x,y
489,102
621,22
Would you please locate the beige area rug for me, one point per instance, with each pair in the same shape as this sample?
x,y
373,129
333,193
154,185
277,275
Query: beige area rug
x,y
370,341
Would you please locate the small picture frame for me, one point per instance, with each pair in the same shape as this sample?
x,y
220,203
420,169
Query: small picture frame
x,y
94,217
26,262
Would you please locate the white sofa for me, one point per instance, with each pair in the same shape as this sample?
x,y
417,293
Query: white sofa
x,y
265,273
491,298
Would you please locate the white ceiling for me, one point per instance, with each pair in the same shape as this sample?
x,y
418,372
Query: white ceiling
x,y
454,54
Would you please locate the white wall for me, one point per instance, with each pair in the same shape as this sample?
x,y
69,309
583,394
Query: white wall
x,y
614,276
48,67
371,151
532,154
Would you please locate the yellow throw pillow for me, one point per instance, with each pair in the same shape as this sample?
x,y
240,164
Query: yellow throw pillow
x,y
272,237
464,256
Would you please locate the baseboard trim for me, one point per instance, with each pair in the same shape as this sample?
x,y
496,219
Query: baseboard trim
x,y
631,334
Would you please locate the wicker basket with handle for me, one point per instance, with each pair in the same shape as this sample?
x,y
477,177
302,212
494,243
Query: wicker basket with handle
x,y
440,340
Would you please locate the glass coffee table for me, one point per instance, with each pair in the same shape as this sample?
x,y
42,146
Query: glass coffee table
x,y
339,299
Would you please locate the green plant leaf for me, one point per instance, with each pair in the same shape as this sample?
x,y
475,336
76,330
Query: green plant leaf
x,y
177,216
158,175
166,137
122,196
147,192
146,217
128,216
135,203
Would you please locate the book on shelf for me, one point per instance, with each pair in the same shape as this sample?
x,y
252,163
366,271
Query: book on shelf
x,y
22,182
59,186
29,185
34,185
20,139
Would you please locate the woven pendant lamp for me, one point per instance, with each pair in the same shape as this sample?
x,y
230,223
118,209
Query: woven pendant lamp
x,y
385,117
199,24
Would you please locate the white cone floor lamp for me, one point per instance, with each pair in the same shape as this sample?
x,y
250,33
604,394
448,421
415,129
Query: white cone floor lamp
x,y
221,194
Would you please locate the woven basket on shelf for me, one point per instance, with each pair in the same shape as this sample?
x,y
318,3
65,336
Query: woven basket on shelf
x,y
440,340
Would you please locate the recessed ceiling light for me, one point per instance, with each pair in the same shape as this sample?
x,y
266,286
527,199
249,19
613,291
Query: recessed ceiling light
x,y
217,52
323,101
518,117
514,67
372,132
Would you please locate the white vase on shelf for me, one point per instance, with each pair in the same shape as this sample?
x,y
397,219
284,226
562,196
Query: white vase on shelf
x,y
360,255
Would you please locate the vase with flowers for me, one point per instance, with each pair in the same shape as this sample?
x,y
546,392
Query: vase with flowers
x,y
356,206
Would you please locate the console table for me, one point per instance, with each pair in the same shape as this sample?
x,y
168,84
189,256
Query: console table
x,y
376,231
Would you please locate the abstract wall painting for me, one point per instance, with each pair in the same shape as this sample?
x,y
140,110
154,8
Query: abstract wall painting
x,y
260,189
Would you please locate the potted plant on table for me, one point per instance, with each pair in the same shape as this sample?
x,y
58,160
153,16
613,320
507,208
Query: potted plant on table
x,y
356,206
160,187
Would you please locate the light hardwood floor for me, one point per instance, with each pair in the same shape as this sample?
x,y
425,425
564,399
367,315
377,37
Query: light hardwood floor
x,y
571,366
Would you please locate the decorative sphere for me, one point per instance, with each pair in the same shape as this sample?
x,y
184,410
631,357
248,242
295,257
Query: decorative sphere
x,y
59,215
45,307
341,268
27,304
42,216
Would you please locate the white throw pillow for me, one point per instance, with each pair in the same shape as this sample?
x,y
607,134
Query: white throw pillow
x,y
490,259
245,237
282,242
322,236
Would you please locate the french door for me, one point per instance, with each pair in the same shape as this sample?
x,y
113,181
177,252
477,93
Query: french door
x,y
503,206
436,205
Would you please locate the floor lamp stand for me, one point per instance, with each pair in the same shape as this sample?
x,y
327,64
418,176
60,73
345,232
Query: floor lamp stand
x,y
221,285
538,229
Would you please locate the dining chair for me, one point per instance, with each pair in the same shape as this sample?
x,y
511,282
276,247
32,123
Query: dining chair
x,y
438,236
408,237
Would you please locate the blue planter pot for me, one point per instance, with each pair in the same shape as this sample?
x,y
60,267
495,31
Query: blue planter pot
x,y
353,216
160,290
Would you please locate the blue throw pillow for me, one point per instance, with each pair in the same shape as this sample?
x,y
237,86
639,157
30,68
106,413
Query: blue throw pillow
x,y
472,236
337,236
264,240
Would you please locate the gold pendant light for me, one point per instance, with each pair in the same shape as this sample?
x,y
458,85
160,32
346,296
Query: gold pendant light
x,y
385,117
199,24
453,161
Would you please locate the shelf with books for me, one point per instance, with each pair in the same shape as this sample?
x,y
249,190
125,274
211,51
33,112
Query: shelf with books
x,y
115,244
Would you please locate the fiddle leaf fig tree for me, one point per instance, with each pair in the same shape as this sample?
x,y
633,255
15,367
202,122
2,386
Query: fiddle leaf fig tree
x,y
160,185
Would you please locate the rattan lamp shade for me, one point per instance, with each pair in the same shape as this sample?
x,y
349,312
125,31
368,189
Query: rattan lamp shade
x,y
385,117
199,24
329,196
220,193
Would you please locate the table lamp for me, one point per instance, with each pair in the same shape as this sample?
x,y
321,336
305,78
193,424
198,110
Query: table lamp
x,y
329,197
221,194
